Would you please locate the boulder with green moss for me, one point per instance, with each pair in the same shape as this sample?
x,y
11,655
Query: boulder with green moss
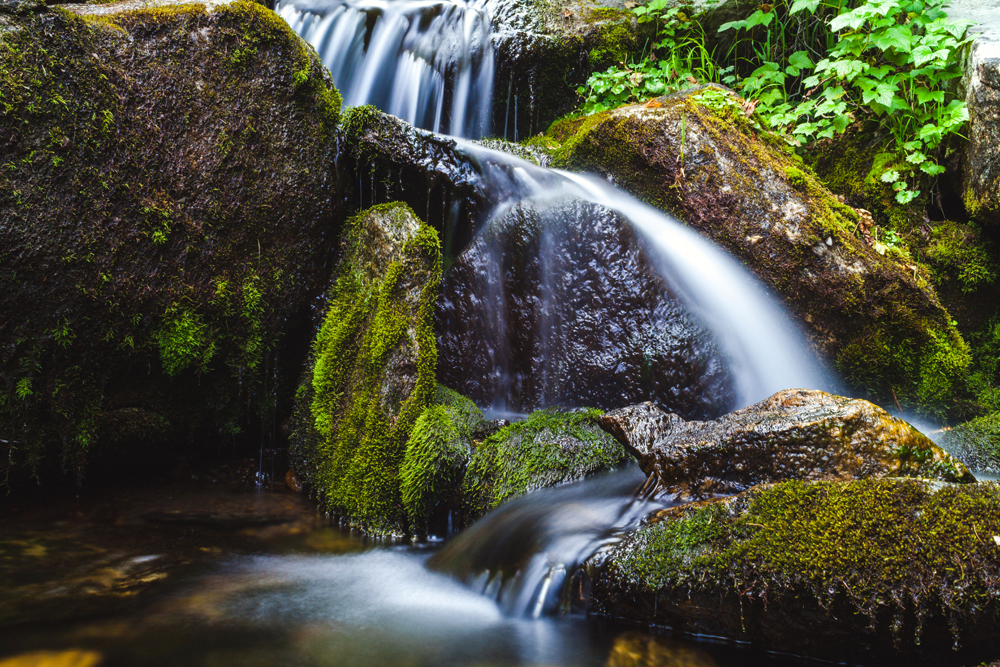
x,y
372,369
862,570
437,454
795,434
976,443
699,157
166,206
550,447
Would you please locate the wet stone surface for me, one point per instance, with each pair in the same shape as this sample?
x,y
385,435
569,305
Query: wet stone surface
x,y
560,306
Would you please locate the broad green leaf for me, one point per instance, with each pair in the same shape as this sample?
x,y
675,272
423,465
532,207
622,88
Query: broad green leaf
x,y
932,169
733,25
800,59
916,158
759,18
851,20
890,176
804,5
897,37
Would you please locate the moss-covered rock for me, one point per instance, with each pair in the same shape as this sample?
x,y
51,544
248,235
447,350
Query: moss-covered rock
x,y
700,158
976,442
837,570
437,454
795,434
372,371
166,204
550,447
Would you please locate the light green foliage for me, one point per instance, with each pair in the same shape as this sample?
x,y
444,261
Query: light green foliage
x,y
984,381
679,59
547,448
812,66
885,546
360,419
184,341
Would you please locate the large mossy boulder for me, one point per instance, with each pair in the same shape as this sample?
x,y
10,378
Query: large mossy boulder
x,y
372,369
166,209
559,305
835,570
548,448
795,434
698,156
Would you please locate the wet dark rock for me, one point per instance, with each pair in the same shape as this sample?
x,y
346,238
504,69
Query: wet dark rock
x,y
167,209
876,316
795,434
292,481
549,448
561,307
875,570
371,371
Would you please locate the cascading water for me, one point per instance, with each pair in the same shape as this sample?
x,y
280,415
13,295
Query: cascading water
x,y
425,61
765,350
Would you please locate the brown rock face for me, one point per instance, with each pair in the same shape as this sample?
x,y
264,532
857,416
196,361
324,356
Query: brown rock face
x,y
794,435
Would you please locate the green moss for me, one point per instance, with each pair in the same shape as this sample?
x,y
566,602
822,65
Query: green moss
x,y
613,45
184,342
361,415
886,546
958,253
547,448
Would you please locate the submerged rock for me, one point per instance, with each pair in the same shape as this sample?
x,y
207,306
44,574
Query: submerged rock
x,y
838,570
560,306
795,434
550,447
699,157
372,369
166,210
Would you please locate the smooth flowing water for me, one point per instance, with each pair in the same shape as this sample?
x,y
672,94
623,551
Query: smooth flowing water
x,y
426,61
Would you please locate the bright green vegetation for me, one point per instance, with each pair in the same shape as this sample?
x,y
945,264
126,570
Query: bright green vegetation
x,y
888,547
437,453
164,192
373,371
810,66
547,448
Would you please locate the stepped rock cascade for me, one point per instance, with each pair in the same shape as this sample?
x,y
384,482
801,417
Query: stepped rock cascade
x,y
429,63
764,350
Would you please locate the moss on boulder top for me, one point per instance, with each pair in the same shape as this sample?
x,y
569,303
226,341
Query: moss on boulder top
x,y
548,448
166,205
372,372
795,434
699,157
839,570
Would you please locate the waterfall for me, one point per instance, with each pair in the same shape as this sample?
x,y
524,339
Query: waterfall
x,y
764,348
425,61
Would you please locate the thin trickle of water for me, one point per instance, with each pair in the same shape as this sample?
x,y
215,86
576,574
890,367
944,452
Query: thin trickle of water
x,y
429,62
